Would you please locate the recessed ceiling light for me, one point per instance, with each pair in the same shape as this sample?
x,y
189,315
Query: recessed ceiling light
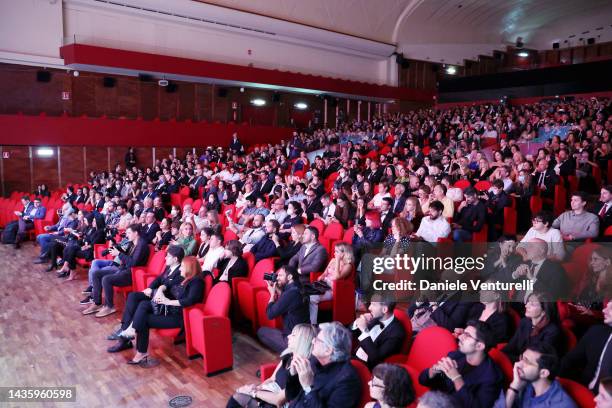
x,y
44,152
301,105
451,70
523,54
258,102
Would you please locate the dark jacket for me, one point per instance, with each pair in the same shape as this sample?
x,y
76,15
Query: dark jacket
x,y
336,385
388,343
498,322
292,306
137,256
581,362
264,248
550,334
148,232
482,384
166,277
472,217
194,292
286,252
240,268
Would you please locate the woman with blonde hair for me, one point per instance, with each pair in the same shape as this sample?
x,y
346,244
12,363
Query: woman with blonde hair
x,y
185,238
339,267
271,393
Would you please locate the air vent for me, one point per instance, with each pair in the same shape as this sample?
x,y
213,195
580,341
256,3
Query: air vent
x,y
202,20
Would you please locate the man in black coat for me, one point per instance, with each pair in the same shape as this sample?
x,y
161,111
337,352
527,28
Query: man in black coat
x,y
328,379
381,335
545,179
386,214
591,359
312,205
150,227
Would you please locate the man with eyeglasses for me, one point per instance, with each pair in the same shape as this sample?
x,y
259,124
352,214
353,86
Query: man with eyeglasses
x,y
534,383
311,206
328,379
468,374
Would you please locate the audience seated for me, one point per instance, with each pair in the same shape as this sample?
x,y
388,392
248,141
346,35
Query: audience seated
x,y
491,310
106,278
534,382
14,232
542,229
540,324
232,265
185,238
328,380
469,374
470,218
287,301
272,392
434,226
54,231
577,223
265,247
83,248
213,254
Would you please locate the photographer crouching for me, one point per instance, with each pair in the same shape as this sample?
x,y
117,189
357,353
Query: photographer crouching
x,y
286,300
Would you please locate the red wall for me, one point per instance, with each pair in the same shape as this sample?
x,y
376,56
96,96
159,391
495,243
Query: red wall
x,y
65,131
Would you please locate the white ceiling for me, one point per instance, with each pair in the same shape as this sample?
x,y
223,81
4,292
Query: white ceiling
x,y
454,28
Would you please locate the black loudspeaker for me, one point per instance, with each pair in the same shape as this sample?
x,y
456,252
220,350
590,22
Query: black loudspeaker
x,y
222,92
434,68
399,58
405,64
43,76
591,41
333,102
555,46
145,78
519,44
108,82
276,97
171,87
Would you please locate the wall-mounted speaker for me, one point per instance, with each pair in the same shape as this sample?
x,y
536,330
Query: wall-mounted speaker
x,y
276,97
405,64
145,77
43,76
555,46
434,68
222,92
590,41
109,82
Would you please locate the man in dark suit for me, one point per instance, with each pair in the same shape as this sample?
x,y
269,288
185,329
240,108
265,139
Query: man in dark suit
x,y
15,231
386,214
328,379
468,374
195,182
380,334
150,227
400,198
566,166
591,359
174,257
311,206
374,174
265,185
545,179
603,208
265,247
311,257
548,275
497,200
105,279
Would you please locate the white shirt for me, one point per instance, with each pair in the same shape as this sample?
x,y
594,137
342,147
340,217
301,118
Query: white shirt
x,y
603,352
430,230
373,334
212,258
556,247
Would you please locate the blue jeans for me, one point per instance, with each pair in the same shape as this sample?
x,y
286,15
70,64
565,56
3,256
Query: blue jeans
x,y
96,265
44,240
461,235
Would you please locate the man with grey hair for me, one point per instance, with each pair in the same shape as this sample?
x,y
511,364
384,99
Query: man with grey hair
x,y
436,399
328,379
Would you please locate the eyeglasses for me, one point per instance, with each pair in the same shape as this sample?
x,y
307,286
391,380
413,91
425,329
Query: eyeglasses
x,y
371,384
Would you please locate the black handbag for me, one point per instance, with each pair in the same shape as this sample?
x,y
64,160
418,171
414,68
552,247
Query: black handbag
x,y
315,288
177,292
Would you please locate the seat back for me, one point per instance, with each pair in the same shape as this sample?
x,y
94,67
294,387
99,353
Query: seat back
x,y
482,185
334,231
364,376
429,346
403,318
157,263
319,225
581,395
250,260
218,300
263,266
348,236
504,363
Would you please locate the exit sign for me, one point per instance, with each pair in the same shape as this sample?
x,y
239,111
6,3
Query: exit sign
x,y
65,96
6,155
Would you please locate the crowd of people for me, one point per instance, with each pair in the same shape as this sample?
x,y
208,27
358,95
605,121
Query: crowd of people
x,y
395,181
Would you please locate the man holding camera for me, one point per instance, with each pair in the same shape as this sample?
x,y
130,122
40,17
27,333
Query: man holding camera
x,y
286,300
117,275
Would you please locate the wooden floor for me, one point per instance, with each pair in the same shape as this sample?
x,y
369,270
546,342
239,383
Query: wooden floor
x,y
45,341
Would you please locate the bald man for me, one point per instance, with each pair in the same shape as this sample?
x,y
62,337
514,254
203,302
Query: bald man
x,y
547,275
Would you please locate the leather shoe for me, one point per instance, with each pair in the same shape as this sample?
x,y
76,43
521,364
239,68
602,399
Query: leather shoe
x,y
49,269
115,335
120,346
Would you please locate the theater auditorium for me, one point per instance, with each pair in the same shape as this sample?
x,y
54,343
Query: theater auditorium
x,y
202,203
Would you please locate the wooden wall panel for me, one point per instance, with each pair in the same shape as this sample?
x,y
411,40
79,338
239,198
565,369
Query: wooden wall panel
x,y
168,103
578,55
162,153
72,165
45,170
186,101
83,96
16,169
181,152
106,99
127,97
96,159
20,92
204,102
149,100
